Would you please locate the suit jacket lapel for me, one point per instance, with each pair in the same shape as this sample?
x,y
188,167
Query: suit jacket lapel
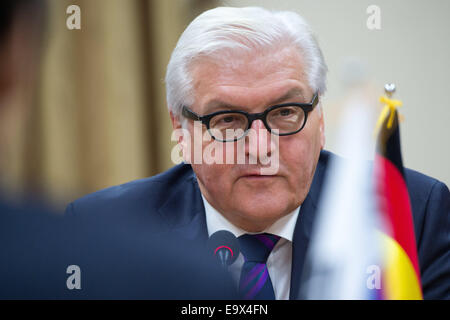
x,y
304,226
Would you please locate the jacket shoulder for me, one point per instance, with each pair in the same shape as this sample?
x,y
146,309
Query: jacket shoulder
x,y
134,196
420,187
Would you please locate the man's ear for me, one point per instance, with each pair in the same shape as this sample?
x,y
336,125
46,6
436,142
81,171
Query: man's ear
x,y
175,121
183,137
322,129
182,140
176,124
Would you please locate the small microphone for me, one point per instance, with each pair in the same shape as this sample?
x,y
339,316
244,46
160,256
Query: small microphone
x,y
224,246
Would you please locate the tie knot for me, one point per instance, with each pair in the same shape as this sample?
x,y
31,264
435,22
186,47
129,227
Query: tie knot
x,y
257,247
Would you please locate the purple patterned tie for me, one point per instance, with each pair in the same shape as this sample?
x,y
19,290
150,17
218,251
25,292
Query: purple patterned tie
x,y
255,281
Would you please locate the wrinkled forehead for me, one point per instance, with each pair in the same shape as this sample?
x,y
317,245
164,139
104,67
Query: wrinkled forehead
x,y
257,74
238,61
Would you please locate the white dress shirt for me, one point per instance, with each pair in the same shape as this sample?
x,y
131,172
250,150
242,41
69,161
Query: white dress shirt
x,y
279,261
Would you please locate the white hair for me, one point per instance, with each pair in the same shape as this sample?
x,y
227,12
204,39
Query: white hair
x,y
223,29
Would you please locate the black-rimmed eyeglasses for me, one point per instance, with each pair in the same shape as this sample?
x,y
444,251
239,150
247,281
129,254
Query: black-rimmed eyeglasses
x,y
230,125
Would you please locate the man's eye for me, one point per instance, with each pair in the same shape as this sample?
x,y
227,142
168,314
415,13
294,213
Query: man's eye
x,y
283,112
228,119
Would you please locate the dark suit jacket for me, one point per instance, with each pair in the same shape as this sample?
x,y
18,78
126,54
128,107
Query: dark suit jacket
x,y
171,203
116,261
30,243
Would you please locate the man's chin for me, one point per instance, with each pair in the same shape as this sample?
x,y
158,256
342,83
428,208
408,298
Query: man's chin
x,y
260,215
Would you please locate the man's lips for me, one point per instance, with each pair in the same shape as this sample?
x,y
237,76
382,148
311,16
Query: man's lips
x,y
256,175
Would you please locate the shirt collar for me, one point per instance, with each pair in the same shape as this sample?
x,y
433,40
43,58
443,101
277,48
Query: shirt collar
x,y
283,227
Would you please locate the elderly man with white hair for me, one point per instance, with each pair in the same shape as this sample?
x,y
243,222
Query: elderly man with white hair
x,y
250,82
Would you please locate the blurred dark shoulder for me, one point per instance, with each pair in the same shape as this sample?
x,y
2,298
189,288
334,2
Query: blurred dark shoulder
x,y
38,246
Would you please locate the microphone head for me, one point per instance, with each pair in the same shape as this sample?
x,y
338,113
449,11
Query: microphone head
x,y
224,246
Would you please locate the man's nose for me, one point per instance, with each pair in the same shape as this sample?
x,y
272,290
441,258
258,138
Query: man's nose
x,y
258,144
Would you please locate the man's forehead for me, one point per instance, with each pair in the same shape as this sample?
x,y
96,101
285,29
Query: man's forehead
x,y
260,62
275,77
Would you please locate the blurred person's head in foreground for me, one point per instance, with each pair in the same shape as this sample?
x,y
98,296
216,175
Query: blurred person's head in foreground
x,y
22,24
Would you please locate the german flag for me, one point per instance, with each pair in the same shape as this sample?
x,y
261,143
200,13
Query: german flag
x,y
401,274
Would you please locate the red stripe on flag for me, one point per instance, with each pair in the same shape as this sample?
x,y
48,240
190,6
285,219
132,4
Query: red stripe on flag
x,y
396,207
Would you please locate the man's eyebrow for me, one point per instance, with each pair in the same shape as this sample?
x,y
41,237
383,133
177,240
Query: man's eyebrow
x,y
292,93
216,104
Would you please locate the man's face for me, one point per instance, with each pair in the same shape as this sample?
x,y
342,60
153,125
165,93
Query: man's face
x,y
252,83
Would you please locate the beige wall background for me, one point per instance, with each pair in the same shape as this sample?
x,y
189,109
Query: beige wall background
x,y
99,116
412,50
